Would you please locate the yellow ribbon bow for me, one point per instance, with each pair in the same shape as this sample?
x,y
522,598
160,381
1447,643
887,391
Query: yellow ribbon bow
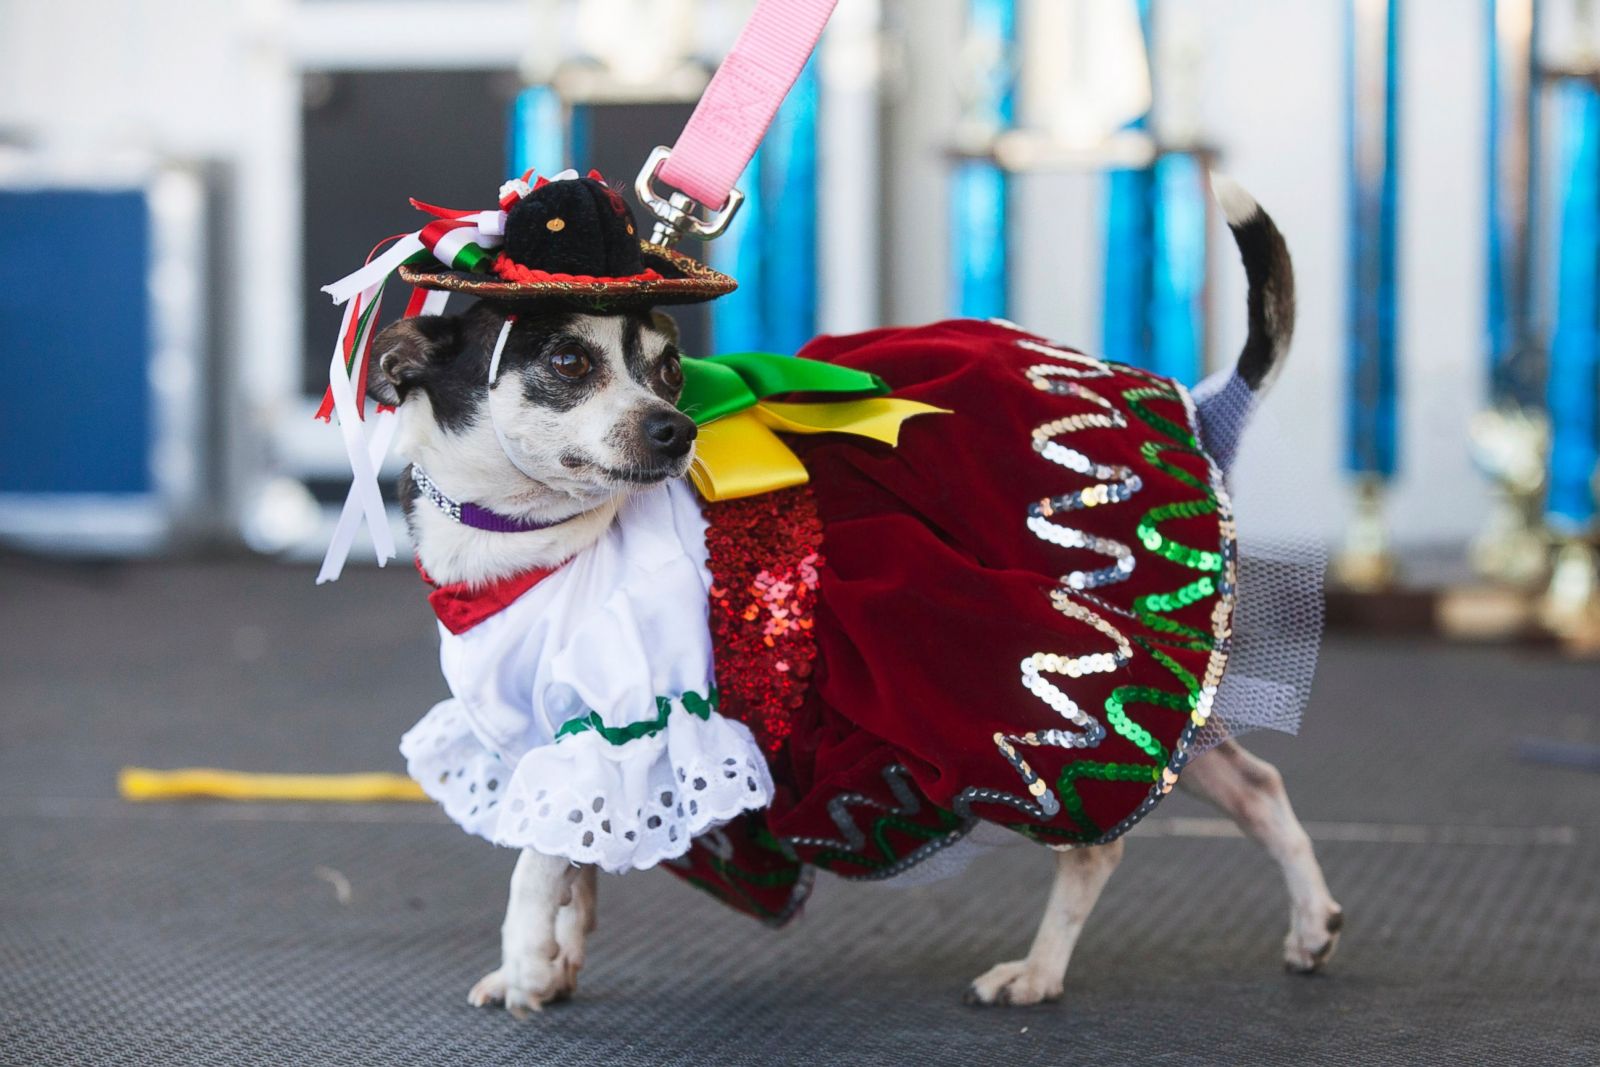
x,y
739,452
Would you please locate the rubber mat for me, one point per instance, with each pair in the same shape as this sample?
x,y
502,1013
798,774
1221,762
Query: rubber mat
x,y
242,934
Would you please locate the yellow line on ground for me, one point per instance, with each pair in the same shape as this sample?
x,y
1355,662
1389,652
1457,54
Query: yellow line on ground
x,y
143,783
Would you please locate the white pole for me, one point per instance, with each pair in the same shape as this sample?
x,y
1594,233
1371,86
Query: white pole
x,y
849,218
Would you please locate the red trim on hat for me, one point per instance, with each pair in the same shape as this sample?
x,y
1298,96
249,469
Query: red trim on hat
x,y
513,271
461,606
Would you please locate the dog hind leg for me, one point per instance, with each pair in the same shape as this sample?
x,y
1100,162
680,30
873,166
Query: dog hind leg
x,y
536,961
1081,874
1250,791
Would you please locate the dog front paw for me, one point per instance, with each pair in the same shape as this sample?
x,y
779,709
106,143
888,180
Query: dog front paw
x,y
490,992
526,985
1017,983
1313,938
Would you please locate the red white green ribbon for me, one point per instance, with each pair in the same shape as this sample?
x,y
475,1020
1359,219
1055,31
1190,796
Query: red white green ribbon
x,y
366,452
354,350
354,335
461,240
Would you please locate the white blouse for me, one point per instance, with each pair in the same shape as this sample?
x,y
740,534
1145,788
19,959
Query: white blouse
x,y
583,720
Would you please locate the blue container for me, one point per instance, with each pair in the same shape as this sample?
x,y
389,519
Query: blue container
x,y
77,323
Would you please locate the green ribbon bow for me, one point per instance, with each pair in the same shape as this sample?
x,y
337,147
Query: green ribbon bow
x,y
723,385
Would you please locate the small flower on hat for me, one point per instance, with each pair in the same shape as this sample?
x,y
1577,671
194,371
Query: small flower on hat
x,y
515,187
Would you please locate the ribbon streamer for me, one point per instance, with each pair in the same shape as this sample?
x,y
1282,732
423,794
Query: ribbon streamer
x,y
344,533
461,243
384,425
461,240
348,409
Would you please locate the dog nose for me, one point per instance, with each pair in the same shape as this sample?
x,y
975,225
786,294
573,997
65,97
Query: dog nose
x,y
670,433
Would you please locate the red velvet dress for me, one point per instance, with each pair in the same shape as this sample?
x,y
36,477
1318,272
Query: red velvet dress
x,y
1020,614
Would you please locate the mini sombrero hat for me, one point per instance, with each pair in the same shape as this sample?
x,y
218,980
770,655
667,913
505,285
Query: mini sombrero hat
x,y
573,240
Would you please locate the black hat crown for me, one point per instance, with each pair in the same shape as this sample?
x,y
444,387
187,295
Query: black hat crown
x,y
570,241
579,226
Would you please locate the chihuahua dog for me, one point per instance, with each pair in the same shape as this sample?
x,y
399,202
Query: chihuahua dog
x,y
579,415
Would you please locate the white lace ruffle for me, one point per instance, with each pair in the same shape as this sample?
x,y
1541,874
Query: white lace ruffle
x,y
620,806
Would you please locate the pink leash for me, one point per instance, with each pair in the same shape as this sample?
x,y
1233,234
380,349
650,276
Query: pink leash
x,y
739,104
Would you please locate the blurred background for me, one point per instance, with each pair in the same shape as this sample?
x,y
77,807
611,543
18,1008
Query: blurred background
x,y
199,171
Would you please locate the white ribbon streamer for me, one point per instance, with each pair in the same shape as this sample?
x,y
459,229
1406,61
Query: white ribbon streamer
x,y
384,426
348,411
490,224
483,228
434,302
499,347
494,373
374,273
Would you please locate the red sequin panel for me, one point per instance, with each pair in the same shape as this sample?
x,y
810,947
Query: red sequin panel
x,y
763,559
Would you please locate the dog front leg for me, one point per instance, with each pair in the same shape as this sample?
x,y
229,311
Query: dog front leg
x,y
1250,790
1081,874
540,948
575,921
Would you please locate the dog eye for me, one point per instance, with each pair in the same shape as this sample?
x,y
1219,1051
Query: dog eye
x,y
672,372
571,363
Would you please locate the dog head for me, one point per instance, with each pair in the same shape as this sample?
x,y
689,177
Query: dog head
x,y
581,409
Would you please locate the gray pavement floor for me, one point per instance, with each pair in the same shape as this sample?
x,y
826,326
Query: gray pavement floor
x,y
210,933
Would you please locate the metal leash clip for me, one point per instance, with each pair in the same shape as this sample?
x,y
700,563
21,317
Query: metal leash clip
x,y
678,215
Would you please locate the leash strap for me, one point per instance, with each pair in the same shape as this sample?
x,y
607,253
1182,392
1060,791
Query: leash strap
x,y
743,97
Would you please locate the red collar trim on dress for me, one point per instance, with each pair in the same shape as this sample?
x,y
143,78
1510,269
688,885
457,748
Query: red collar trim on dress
x,y
461,606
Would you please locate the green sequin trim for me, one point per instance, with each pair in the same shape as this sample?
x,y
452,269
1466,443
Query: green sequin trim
x,y
1152,611
1160,423
1192,593
699,706
947,821
1101,772
734,878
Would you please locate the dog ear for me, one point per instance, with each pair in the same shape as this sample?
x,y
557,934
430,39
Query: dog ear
x,y
666,325
407,350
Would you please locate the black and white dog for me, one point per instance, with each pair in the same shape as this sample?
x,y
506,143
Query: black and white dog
x,y
580,414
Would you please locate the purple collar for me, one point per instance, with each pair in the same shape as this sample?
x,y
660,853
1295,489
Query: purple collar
x,y
479,518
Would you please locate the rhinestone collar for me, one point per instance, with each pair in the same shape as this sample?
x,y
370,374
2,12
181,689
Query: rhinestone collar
x,y
479,518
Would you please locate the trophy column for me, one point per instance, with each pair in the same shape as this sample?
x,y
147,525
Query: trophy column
x,y
1570,607
1366,563
1511,437
979,187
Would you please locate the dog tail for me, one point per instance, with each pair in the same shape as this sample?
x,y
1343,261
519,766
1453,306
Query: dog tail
x,y
1224,400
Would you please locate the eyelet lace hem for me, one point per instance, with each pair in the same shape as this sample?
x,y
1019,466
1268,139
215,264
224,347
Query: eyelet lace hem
x,y
620,807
